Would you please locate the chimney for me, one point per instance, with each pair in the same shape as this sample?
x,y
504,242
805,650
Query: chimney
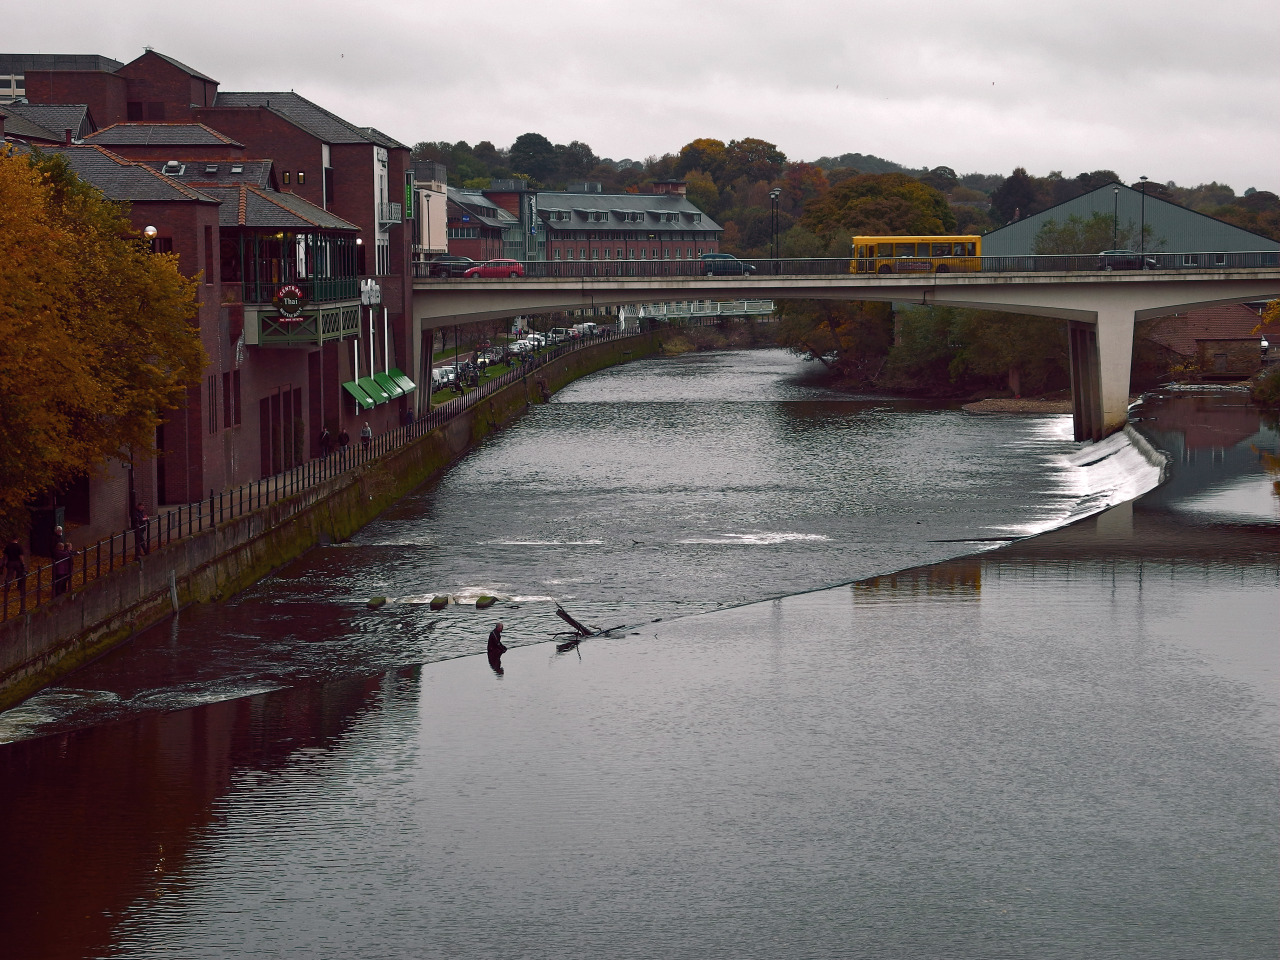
x,y
66,137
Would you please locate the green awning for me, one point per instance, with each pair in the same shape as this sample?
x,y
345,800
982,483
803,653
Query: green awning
x,y
407,385
357,394
388,383
374,389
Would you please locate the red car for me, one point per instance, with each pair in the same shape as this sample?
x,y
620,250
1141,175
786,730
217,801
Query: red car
x,y
496,268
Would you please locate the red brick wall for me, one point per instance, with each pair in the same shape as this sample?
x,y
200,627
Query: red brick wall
x,y
105,93
269,136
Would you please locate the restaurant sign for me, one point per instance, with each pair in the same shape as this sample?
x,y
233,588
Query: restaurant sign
x,y
290,301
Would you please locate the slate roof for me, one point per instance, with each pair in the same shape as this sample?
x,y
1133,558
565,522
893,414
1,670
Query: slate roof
x,y
126,180
181,66
229,172
250,206
311,117
58,117
650,205
480,207
19,127
1172,229
161,134
1231,321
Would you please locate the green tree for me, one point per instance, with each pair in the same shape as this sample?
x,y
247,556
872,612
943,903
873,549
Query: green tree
x,y
884,203
754,159
96,339
535,156
1018,197
849,338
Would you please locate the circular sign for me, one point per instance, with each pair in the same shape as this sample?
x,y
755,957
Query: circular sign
x,y
290,300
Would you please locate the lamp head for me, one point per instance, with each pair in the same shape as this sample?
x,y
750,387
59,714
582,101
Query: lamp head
x,y
150,232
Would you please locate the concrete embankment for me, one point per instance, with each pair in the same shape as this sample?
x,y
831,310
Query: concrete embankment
x,y
52,640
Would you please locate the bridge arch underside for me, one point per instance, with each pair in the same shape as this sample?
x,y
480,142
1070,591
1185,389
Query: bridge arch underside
x,y
1101,309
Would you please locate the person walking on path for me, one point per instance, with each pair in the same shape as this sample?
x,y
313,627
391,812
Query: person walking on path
x,y
64,560
366,436
141,530
15,569
326,442
344,441
495,640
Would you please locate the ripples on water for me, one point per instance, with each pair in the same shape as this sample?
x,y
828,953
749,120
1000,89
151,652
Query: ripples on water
x,y
1063,748
653,490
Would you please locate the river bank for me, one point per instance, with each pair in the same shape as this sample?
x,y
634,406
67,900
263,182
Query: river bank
x,y
60,636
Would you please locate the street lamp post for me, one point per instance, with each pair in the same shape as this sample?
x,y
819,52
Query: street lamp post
x,y
1142,227
1115,219
774,194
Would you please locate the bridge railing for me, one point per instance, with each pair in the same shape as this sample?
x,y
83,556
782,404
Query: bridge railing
x,y
834,266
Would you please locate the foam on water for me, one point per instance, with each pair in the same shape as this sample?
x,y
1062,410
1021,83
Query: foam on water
x,y
1093,478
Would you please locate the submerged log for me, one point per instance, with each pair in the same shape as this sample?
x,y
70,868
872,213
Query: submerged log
x,y
578,628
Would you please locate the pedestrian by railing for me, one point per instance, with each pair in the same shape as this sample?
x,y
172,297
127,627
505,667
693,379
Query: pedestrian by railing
x,y
72,570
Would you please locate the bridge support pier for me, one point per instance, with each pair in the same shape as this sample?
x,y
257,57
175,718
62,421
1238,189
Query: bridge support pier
x,y
1101,357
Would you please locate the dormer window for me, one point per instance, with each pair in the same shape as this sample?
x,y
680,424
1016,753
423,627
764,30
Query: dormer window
x,y
172,168
210,168
237,168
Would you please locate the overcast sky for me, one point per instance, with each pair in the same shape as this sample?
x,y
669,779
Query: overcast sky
x,y
1174,90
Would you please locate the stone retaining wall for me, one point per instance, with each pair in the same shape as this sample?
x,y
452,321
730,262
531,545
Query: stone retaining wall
x,y
55,638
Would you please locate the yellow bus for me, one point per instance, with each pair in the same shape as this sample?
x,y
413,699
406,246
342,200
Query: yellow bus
x,y
916,254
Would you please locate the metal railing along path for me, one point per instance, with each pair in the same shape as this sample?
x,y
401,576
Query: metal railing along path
x,y
48,581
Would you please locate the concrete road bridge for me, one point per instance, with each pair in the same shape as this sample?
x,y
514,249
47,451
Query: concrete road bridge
x,y
1100,307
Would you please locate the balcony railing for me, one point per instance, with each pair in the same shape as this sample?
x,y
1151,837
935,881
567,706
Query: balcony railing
x,y
316,290
390,214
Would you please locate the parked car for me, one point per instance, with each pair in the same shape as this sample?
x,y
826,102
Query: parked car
x,y
1125,260
496,268
449,266
725,265
443,376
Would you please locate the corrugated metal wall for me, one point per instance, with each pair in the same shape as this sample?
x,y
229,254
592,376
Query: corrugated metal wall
x,y
1173,229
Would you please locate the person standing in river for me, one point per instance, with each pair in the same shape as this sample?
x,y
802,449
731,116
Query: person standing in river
x,y
495,640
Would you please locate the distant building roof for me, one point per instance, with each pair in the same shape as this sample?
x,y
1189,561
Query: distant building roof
x,y
311,117
250,206
125,180
1172,229
232,172
180,65
1181,331
135,134
18,127
654,211
12,64
58,117
477,205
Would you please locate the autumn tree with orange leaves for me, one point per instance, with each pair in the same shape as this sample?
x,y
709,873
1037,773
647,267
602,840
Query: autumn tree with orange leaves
x,y
96,334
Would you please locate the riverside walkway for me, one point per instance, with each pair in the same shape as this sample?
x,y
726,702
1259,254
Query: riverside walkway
x,y
113,555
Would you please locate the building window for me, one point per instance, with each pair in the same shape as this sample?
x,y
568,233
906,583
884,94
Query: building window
x,y
302,178
619,254
557,253
286,177
595,253
582,253
464,233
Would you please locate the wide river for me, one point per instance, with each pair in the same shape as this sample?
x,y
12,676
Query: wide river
x,y
885,680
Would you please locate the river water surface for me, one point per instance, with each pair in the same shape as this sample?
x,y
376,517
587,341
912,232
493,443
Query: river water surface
x,y
847,710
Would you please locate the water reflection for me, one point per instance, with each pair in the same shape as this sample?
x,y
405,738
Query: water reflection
x,y
97,822
1220,444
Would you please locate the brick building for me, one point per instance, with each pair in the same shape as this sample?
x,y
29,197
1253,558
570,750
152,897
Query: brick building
x,y
256,192
663,225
